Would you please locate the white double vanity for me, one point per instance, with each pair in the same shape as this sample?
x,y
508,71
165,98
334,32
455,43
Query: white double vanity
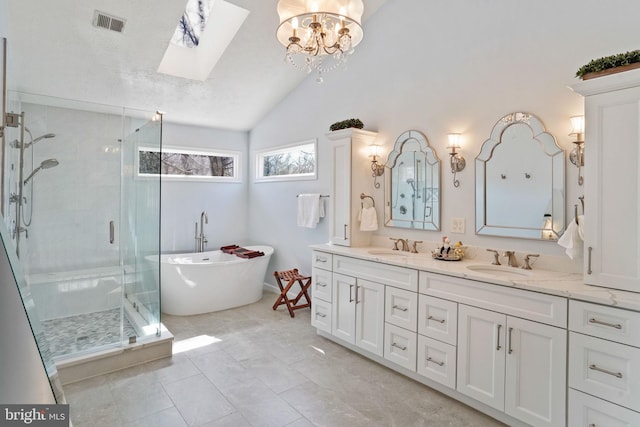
x,y
527,347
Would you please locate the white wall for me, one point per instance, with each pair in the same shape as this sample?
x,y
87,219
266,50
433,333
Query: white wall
x,y
183,201
442,67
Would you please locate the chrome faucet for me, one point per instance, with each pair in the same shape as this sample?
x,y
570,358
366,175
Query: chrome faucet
x,y
511,258
201,240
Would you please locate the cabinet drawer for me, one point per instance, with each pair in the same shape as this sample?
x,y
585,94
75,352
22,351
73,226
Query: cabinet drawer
x,y
321,284
543,308
401,308
437,361
399,277
610,323
438,319
605,369
400,346
321,315
586,411
322,260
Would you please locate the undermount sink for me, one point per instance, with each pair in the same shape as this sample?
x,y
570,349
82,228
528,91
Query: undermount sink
x,y
384,252
498,270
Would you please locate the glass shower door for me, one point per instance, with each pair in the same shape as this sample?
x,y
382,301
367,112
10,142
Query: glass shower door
x,y
140,232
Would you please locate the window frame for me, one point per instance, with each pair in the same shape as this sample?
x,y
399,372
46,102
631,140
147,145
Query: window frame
x,y
260,155
236,155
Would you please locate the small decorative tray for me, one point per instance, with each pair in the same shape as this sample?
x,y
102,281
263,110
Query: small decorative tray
x,y
447,257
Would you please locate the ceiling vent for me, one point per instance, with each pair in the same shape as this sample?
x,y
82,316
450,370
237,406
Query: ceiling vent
x,y
108,22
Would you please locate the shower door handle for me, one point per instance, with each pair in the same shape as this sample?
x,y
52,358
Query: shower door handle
x,y
112,233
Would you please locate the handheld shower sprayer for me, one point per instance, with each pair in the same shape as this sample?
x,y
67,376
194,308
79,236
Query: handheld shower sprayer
x,y
46,164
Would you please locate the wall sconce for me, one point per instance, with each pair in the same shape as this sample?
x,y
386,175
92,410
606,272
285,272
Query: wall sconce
x,y
376,169
577,154
457,161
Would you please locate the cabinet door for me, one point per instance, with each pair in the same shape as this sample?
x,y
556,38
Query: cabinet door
x,y
481,355
536,373
612,189
370,316
343,316
341,195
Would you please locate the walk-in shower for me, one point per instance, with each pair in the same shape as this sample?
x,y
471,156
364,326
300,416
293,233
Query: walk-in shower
x,y
83,221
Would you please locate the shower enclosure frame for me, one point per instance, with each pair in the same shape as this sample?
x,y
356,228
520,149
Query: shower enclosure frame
x,y
135,209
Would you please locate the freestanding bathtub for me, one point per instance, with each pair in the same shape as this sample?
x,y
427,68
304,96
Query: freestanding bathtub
x,y
203,282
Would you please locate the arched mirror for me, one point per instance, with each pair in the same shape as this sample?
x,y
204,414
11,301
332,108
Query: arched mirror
x,y
520,181
412,190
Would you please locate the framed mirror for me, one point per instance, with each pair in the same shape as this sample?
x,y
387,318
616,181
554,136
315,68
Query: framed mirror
x,y
520,181
412,187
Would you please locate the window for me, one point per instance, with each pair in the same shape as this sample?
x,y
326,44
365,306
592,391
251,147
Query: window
x,y
292,162
189,164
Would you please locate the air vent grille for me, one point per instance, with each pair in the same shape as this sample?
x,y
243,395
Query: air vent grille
x,y
108,22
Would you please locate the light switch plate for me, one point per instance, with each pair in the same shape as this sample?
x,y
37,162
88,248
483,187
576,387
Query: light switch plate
x,y
457,225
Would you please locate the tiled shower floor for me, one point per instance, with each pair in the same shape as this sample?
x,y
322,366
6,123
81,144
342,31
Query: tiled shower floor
x,y
73,334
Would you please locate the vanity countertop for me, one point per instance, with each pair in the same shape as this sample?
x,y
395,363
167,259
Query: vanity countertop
x,y
568,285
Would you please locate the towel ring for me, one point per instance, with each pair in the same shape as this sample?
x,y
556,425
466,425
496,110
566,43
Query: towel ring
x,y
364,196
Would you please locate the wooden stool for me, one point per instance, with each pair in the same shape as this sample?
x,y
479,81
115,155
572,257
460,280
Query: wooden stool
x,y
291,277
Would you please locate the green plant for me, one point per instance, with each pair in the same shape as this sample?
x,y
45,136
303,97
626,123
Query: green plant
x,y
607,62
345,124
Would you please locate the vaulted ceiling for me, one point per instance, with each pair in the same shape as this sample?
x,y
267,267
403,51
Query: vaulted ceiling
x,y
56,51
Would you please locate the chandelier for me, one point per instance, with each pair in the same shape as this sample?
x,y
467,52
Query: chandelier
x,y
319,34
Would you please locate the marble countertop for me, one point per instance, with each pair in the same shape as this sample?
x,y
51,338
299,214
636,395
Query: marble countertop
x,y
568,285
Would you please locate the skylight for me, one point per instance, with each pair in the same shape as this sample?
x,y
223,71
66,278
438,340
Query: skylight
x,y
192,23
202,35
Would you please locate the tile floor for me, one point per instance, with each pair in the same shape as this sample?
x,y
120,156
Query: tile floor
x,y
260,368
74,334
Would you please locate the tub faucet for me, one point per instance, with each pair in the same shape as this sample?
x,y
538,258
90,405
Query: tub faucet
x,y
201,240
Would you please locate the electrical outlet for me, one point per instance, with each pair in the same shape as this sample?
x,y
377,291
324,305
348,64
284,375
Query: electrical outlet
x,y
457,225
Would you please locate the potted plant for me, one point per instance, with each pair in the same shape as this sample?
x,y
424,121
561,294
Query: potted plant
x,y
345,124
609,65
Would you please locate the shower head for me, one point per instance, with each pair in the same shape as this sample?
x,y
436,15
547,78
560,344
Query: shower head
x,y
411,182
46,164
33,141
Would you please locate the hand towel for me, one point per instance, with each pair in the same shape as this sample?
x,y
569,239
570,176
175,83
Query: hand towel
x,y
368,219
308,210
572,237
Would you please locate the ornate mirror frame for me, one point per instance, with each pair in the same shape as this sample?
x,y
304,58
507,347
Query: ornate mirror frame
x,y
412,191
520,177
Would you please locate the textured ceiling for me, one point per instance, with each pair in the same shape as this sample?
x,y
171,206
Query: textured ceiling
x,y
58,52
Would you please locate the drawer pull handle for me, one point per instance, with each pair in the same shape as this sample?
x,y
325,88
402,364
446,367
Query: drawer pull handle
x,y
397,307
398,346
436,320
351,293
435,361
589,271
322,284
592,425
321,314
606,371
498,346
320,259
600,322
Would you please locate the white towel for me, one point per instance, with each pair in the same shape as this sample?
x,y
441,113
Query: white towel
x,y
309,210
368,219
572,238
